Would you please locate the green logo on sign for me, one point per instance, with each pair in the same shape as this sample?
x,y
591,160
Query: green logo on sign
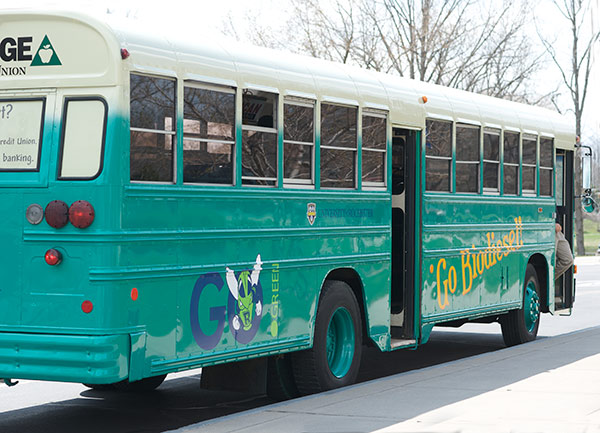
x,y
46,55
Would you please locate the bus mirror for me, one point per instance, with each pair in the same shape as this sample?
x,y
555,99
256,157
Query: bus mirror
x,y
588,203
586,168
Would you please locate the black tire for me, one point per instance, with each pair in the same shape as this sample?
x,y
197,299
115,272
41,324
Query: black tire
x,y
280,378
312,371
521,326
144,385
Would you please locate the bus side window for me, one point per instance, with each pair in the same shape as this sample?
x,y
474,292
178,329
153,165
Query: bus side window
x,y
338,146
298,141
208,135
560,179
374,144
438,155
152,128
491,160
511,163
259,138
83,136
529,163
546,166
467,158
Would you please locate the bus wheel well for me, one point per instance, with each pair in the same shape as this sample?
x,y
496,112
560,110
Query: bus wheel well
x,y
540,264
351,277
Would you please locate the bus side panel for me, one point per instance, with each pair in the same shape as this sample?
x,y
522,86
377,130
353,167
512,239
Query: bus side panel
x,y
376,291
474,266
225,275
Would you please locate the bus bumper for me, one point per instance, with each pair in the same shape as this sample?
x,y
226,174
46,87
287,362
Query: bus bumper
x,y
65,358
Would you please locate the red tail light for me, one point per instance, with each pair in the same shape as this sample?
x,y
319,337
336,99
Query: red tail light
x,y
87,307
57,214
81,214
53,257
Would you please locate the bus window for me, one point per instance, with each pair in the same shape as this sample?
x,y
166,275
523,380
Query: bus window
x,y
438,155
152,128
529,162
467,158
546,169
298,141
374,145
338,146
259,138
22,124
491,160
560,184
83,135
511,163
208,135
398,162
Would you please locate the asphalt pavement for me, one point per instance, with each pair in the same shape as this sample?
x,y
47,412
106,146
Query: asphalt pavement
x,y
549,385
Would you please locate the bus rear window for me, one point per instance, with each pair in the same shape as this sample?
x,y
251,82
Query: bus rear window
x,y
84,128
152,128
21,129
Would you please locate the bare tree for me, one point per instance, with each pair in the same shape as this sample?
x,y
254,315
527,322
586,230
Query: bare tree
x,y
467,44
460,43
576,77
260,34
327,34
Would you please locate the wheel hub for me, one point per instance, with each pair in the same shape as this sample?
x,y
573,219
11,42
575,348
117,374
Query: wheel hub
x,y
340,342
531,307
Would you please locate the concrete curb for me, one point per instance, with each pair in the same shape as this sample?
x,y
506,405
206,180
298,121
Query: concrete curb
x,y
556,380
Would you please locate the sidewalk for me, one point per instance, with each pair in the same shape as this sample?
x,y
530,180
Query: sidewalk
x,y
549,385
587,260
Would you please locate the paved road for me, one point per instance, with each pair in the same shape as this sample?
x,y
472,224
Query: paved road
x,y
34,407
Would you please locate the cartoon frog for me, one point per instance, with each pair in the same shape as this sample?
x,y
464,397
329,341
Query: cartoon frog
x,y
243,291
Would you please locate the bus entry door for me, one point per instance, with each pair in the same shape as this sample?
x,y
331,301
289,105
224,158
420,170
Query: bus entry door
x,y
564,286
403,222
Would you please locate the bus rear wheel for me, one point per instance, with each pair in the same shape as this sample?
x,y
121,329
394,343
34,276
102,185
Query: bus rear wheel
x,y
521,326
334,359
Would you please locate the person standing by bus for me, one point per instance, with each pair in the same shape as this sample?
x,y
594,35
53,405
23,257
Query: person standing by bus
x,y
564,257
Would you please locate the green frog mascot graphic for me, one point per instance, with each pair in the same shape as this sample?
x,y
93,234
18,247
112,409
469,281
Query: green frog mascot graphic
x,y
246,292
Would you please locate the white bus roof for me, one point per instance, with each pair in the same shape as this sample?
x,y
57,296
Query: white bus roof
x,y
89,51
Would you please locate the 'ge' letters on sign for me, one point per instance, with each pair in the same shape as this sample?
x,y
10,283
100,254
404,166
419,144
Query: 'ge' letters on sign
x,y
16,50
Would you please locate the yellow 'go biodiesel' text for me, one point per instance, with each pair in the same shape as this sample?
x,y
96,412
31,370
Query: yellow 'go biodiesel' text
x,y
475,263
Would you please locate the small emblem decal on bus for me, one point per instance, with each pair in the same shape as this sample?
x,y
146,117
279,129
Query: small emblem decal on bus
x,y
46,55
311,213
19,49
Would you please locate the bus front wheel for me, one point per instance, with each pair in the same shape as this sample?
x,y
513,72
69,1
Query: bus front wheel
x,y
521,326
334,359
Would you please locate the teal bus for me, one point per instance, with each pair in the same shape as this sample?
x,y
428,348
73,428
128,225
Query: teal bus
x,y
171,204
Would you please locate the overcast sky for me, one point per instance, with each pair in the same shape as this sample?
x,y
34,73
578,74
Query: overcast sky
x,y
209,15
